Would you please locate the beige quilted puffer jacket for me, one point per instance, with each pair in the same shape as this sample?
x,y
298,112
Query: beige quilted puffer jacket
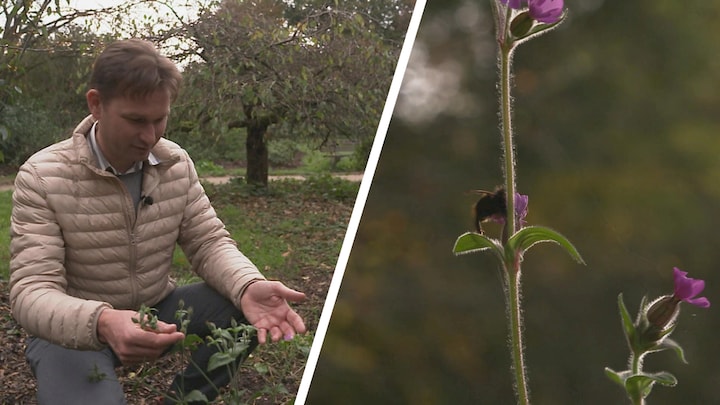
x,y
78,246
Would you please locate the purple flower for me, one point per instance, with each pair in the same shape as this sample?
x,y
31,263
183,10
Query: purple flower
x,y
521,211
545,11
521,207
515,4
686,289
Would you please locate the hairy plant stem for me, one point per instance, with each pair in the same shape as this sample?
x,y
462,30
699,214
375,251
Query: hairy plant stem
x,y
636,361
513,267
509,149
515,315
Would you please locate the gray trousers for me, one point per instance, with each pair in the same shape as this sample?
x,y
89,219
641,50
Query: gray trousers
x,y
77,377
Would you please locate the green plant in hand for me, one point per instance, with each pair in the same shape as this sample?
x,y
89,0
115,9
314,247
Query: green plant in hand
x,y
147,318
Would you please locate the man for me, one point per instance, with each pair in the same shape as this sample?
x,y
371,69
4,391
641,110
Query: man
x,y
94,224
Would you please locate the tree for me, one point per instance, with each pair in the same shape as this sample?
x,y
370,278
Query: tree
x,y
321,74
46,50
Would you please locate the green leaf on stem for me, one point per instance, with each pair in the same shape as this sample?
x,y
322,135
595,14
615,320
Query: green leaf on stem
x,y
640,385
628,326
663,378
657,344
471,242
192,340
219,359
618,376
527,237
673,345
642,382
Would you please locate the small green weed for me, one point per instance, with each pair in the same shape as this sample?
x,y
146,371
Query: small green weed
x,y
283,361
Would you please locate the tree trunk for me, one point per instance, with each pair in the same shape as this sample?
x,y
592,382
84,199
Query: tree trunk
x,y
257,155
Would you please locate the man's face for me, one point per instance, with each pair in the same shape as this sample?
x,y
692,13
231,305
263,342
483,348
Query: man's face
x,y
129,128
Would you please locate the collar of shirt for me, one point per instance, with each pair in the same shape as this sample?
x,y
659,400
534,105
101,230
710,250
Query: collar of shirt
x,y
103,163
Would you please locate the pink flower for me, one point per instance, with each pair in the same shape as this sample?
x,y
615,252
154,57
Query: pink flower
x,y
545,11
687,289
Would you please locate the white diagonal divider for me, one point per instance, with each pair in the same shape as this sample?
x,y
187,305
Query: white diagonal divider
x,y
360,203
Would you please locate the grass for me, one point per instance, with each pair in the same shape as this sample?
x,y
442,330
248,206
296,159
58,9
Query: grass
x,y
313,164
5,210
293,232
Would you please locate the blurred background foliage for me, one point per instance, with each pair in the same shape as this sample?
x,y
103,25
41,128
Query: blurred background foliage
x,y
617,139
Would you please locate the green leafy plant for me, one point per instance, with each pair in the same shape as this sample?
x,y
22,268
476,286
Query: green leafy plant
x,y
516,22
232,343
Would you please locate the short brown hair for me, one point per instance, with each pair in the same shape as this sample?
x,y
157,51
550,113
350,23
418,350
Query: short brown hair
x,y
134,68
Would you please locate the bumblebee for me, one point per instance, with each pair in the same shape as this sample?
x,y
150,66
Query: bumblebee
x,y
491,204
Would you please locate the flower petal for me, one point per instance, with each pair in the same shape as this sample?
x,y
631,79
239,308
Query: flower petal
x,y
687,288
696,286
701,302
521,207
546,11
683,284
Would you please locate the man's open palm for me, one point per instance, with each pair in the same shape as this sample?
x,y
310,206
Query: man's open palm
x,y
265,305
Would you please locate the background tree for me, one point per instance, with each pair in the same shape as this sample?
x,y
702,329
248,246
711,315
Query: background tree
x,y
319,73
53,83
46,50
254,70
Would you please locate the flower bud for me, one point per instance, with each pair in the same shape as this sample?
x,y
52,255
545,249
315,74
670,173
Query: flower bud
x,y
658,319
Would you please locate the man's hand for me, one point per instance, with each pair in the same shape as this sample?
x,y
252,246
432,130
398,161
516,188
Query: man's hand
x,y
264,304
129,341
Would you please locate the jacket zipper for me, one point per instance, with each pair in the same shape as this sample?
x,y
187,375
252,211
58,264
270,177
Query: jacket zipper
x,y
131,217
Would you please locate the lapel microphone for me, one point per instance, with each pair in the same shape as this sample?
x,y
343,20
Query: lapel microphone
x,y
147,200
